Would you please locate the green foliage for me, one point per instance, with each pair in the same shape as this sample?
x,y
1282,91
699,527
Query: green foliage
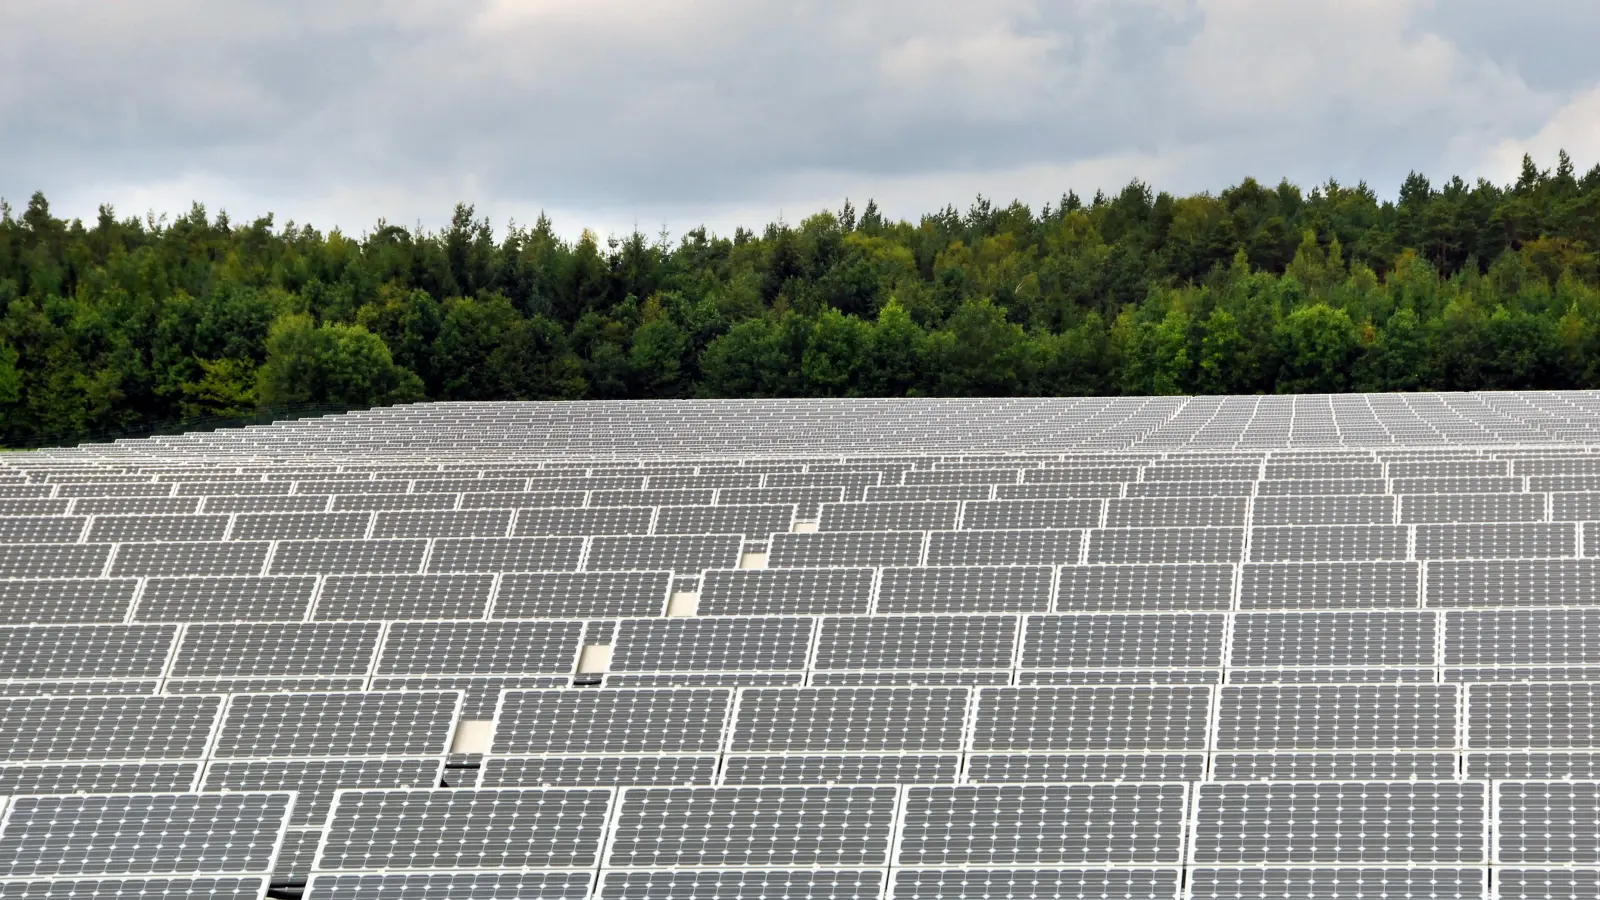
x,y
119,323
338,365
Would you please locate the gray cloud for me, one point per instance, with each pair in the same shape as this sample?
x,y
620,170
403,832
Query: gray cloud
x,y
613,111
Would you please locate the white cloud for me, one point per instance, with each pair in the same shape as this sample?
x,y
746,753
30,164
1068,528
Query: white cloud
x,y
1575,128
608,112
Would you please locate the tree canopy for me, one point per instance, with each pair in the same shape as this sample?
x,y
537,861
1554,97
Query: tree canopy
x,y
123,322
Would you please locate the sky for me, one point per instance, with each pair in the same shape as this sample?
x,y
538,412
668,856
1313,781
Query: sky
x,y
616,114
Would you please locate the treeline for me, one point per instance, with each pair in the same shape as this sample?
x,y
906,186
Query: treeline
x,y
121,322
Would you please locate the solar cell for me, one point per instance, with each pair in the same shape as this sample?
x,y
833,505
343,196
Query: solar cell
x,y
991,515
1015,884
116,529
452,885
187,888
340,557
1092,718
54,560
753,826
712,644
1329,585
1496,541
1042,824
66,600
601,520
1117,640
1030,547
732,884
582,594
480,648
294,726
1337,717
785,591
1103,588
682,554
142,834
369,597
499,828
1328,542
597,771
758,520
1350,883
861,719
844,549
963,589
1341,822
563,722
245,650
284,526
1027,768
1300,639
1165,545
523,554
916,642
99,778
1338,509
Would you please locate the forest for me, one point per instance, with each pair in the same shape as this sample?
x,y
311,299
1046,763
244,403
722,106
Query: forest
x,y
123,322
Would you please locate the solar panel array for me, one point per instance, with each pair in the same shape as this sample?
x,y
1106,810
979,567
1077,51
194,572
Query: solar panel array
x,y
1314,647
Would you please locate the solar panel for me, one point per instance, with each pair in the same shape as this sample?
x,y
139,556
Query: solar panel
x,y
99,778
1103,588
369,597
1305,666
1169,545
244,650
916,642
1328,542
861,719
1031,547
1043,824
482,829
1337,717
285,526
1496,541
1028,768
192,888
732,884
66,600
595,770
1355,883
1118,640
1013,514
480,648
613,721
712,644
602,520
753,826
581,594
1423,822
450,885
142,834
338,725
1092,718
526,554
785,591
1329,585
963,589
759,520
845,549
680,554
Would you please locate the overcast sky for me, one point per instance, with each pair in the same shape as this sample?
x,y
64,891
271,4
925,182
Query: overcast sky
x,y
607,113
